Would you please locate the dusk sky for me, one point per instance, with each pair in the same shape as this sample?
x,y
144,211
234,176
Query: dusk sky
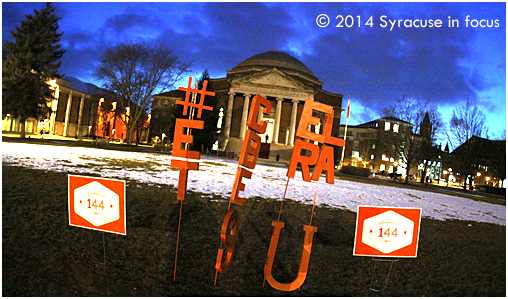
x,y
371,64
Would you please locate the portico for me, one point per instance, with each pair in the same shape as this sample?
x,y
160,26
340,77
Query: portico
x,y
279,130
285,82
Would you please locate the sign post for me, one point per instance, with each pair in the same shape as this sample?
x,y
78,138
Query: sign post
x,y
97,204
387,232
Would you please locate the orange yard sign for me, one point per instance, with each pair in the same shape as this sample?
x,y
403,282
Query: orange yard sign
x,y
97,203
387,232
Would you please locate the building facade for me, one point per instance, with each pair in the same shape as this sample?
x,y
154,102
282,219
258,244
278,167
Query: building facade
x,y
376,144
73,111
162,114
78,110
478,161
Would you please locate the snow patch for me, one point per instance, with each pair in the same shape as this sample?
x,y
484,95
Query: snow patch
x,y
216,175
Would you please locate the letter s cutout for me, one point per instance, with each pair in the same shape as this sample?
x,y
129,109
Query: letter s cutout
x,y
304,262
231,217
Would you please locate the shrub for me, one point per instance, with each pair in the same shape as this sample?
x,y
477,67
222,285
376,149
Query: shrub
x,y
363,172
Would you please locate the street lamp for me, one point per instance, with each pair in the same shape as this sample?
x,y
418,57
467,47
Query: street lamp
x,y
395,164
447,176
450,173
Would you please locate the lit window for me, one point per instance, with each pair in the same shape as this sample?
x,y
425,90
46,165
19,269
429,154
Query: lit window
x,y
391,160
374,146
355,154
387,126
396,128
372,157
382,167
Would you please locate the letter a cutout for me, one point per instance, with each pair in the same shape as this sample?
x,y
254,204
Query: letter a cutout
x,y
304,262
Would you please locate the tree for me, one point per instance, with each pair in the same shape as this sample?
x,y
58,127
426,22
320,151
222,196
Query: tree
x,y
365,149
31,61
134,71
467,122
205,138
415,144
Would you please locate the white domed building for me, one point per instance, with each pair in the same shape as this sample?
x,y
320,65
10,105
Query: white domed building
x,y
286,82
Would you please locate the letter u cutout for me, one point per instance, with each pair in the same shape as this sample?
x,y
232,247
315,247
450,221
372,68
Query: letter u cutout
x,y
304,262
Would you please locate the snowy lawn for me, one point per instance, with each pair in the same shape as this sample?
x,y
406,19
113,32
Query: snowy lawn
x,y
216,175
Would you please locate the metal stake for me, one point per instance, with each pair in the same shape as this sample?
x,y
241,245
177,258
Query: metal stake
x,y
387,275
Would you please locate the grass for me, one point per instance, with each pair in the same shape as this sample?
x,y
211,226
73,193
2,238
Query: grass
x,y
44,256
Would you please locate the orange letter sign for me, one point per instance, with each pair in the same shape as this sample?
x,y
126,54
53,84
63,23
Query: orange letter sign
x,y
304,262
248,158
322,160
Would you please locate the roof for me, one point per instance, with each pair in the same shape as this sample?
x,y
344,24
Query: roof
x,y
390,118
396,119
78,85
278,59
486,145
173,94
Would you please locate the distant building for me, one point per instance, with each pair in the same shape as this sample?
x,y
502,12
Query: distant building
x,y
373,144
162,118
487,165
79,109
112,119
73,112
284,80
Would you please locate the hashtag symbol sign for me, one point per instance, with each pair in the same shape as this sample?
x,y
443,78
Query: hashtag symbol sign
x,y
201,105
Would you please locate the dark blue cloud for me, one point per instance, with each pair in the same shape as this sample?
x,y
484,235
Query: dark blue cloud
x,y
122,22
373,65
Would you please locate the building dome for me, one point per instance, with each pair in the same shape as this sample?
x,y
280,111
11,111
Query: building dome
x,y
278,59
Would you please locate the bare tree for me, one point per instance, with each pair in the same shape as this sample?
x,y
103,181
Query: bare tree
x,y
467,122
135,71
365,150
436,123
500,136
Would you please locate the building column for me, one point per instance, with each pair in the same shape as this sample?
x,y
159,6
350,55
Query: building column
x,y
229,114
260,114
67,113
245,114
292,128
54,107
276,127
13,124
80,116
